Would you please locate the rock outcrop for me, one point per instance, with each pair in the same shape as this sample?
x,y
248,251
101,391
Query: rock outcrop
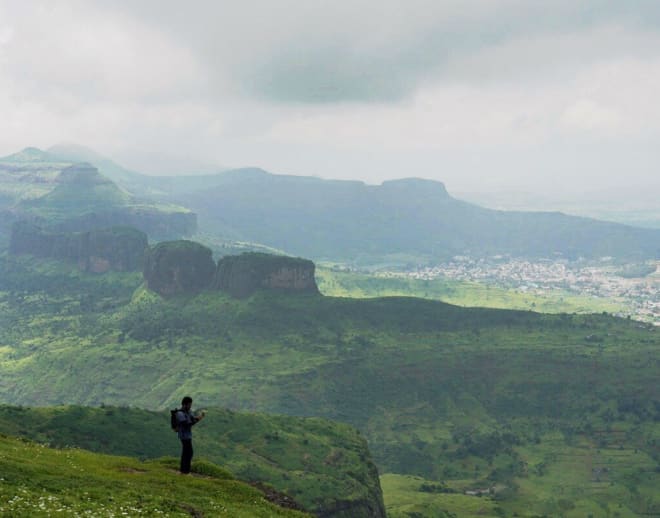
x,y
175,267
98,251
242,275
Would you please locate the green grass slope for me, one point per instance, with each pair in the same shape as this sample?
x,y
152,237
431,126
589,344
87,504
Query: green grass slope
x,y
325,466
468,397
38,481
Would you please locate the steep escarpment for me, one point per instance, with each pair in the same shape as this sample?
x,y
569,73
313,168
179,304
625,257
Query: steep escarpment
x,y
242,275
174,267
97,251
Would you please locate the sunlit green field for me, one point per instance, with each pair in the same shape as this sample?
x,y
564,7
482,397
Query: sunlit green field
x,y
406,495
462,293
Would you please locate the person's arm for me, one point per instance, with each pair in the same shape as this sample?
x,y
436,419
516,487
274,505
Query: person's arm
x,y
197,418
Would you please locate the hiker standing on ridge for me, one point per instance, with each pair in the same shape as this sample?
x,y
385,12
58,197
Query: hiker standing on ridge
x,y
185,420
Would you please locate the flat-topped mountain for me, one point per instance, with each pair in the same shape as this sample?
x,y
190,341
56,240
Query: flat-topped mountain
x,y
413,218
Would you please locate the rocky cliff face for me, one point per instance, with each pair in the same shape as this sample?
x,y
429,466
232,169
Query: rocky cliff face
x,y
174,267
244,274
98,251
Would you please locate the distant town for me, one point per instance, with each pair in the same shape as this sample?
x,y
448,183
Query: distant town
x,y
641,294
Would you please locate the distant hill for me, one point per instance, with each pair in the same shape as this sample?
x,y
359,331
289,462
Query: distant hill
x,y
79,189
410,218
52,192
157,186
32,155
136,183
407,221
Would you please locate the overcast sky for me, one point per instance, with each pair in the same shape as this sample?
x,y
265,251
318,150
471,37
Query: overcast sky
x,y
480,94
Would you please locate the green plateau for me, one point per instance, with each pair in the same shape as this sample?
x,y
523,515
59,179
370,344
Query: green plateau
x,y
39,481
521,413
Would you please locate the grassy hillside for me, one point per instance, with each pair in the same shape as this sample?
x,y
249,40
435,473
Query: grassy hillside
x,y
40,481
462,293
325,466
470,397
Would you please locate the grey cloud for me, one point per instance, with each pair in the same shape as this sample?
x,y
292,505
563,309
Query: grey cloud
x,y
324,52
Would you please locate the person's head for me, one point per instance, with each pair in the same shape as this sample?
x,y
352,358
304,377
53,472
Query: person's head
x,y
186,403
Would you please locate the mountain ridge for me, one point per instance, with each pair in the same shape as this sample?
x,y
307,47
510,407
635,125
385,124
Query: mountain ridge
x,y
349,221
405,221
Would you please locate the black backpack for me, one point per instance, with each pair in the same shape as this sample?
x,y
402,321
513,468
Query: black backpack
x,y
174,422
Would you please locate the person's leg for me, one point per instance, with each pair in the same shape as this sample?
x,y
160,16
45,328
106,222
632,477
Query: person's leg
x,y
186,455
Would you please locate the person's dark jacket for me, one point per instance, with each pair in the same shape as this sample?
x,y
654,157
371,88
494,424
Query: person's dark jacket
x,y
186,421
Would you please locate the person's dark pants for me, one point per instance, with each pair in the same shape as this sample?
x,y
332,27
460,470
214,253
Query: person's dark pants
x,y
186,455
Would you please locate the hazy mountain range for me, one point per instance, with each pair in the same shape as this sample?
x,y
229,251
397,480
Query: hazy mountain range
x,y
405,221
